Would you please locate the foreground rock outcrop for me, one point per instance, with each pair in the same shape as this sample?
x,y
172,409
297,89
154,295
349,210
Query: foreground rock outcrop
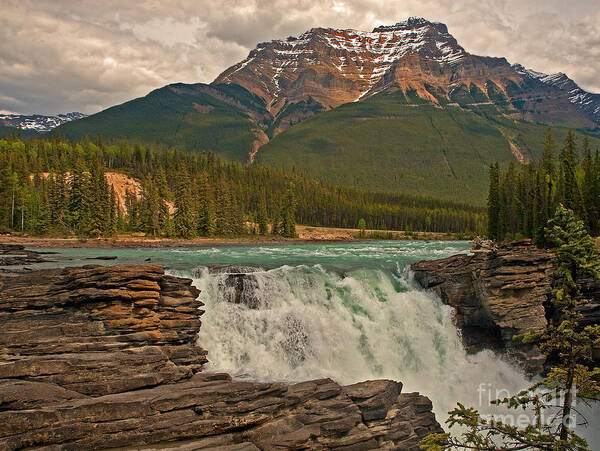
x,y
497,293
106,357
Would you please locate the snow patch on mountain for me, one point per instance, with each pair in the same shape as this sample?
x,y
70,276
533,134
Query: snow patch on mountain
x,y
38,122
585,101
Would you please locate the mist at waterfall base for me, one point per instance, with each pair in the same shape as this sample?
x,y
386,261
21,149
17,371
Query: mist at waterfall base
x,y
345,311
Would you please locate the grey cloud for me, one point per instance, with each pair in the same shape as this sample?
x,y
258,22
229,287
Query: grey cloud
x,y
61,55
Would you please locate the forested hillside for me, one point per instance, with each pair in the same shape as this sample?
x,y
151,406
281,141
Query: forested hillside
x,y
55,186
522,200
189,117
391,142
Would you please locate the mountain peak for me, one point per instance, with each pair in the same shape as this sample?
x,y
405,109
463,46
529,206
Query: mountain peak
x,y
326,67
38,122
412,23
333,66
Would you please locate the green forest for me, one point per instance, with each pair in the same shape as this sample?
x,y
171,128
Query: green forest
x,y
58,187
522,200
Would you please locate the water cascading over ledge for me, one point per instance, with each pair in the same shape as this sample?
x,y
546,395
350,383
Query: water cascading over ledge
x,y
292,323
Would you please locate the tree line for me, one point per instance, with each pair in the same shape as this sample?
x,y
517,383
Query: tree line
x,y
521,201
54,186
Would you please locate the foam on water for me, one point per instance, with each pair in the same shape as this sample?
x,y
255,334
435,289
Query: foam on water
x,y
363,324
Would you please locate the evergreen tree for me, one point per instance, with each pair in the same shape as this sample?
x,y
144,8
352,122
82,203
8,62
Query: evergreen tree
x,y
113,212
207,213
263,225
288,212
362,225
494,225
276,225
183,219
98,202
590,188
569,194
224,211
79,199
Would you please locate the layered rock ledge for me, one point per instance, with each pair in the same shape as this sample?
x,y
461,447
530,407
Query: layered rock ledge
x,y
16,254
497,292
106,357
501,291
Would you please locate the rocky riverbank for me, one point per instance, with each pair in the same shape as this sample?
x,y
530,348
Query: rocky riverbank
x,y
16,254
499,292
106,357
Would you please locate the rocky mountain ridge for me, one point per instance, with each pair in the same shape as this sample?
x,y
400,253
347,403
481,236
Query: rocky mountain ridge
x,y
38,122
585,101
329,67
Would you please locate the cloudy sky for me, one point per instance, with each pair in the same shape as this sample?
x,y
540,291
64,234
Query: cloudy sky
x,y
85,55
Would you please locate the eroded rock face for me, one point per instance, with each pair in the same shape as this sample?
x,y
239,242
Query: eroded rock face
x,y
497,293
99,330
104,357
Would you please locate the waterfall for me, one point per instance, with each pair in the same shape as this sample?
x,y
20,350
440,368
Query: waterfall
x,y
343,310
312,322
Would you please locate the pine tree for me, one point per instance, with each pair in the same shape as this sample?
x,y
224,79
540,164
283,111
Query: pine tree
x,y
362,225
183,219
206,213
223,226
98,202
113,212
79,199
276,228
569,194
263,225
494,225
288,212
589,188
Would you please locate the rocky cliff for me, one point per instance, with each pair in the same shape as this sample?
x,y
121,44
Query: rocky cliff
x,y
104,357
497,293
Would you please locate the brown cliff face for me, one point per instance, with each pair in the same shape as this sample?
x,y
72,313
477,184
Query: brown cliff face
x,y
331,66
105,357
497,293
99,330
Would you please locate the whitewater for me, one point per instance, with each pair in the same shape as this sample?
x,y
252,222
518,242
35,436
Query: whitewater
x,y
350,312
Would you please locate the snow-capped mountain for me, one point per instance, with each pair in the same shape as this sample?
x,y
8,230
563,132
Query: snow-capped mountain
x,y
337,66
585,101
38,122
325,67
